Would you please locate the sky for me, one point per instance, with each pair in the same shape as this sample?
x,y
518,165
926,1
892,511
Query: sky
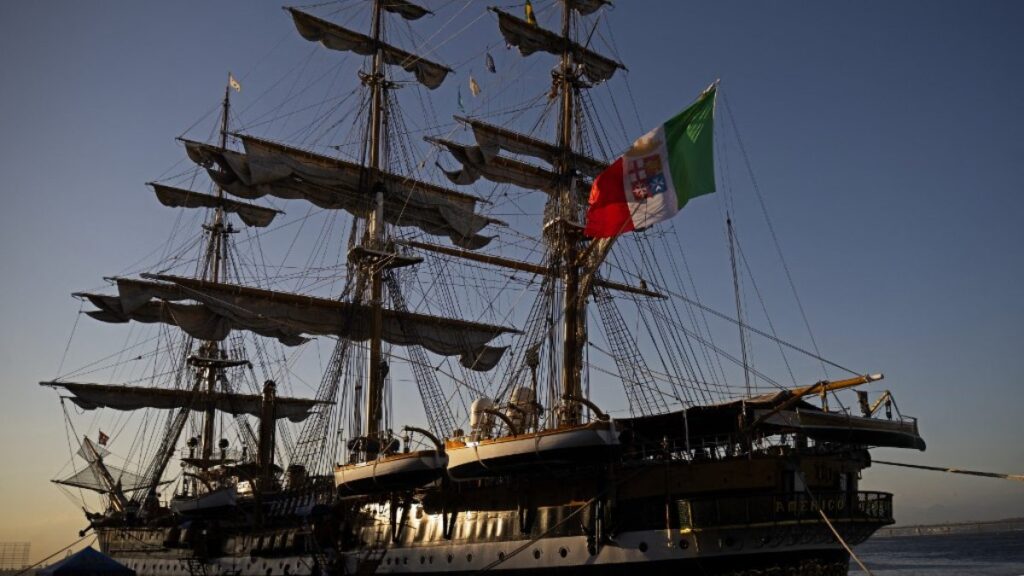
x,y
884,138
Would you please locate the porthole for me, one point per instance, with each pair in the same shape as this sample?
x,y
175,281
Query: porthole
x,y
430,559
536,554
469,557
563,552
450,558
642,547
405,560
684,544
388,561
501,556
423,559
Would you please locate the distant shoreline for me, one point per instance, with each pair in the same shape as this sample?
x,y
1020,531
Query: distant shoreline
x,y
951,528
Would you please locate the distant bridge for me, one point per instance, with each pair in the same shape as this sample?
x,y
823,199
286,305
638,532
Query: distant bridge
x,y
953,528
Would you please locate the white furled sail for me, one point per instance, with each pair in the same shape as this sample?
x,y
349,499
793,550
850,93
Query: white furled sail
x,y
286,316
430,74
492,139
529,39
476,164
269,168
255,216
405,9
92,396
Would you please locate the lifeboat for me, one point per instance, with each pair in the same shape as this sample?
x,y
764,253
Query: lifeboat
x,y
478,456
842,427
469,459
216,499
390,471
393,472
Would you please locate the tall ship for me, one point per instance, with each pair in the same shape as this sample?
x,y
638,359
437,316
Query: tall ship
x,y
516,370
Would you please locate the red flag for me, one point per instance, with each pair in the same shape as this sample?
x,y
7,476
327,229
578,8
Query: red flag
x,y
103,438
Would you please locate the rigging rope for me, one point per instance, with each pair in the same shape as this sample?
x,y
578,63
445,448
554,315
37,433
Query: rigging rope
x,y
1015,477
771,230
761,333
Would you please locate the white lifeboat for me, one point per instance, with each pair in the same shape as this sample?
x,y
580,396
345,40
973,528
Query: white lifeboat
x,y
394,471
477,456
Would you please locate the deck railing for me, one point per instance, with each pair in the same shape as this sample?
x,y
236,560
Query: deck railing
x,y
873,507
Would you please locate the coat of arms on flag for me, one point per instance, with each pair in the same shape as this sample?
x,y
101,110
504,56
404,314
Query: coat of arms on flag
x,y
646,176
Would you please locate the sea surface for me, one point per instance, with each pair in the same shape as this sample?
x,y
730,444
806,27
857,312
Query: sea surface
x,y
990,554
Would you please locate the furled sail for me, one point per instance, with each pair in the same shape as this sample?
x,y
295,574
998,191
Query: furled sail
x,y
92,396
476,164
408,10
430,74
492,139
256,216
196,320
530,38
587,7
221,308
269,168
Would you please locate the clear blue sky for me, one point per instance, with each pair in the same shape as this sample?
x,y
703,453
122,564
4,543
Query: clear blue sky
x,y
886,137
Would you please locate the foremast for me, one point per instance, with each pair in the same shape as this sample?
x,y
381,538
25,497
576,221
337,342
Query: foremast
x,y
208,308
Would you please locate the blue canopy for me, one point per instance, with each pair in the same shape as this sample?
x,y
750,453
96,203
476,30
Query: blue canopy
x,y
87,562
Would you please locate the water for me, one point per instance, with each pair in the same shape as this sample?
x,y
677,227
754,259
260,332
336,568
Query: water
x,y
992,554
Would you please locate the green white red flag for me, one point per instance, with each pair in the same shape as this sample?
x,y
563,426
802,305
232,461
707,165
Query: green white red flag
x,y
659,174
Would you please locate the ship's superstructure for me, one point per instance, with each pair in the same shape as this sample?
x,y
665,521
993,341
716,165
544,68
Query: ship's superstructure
x,y
536,472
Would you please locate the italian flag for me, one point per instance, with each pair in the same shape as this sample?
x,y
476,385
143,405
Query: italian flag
x,y
659,174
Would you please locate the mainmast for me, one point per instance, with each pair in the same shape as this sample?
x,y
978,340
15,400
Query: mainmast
x,y
579,68
568,237
375,237
217,255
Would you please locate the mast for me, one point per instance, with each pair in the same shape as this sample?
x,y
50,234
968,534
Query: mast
x,y
375,235
217,256
265,457
739,306
571,353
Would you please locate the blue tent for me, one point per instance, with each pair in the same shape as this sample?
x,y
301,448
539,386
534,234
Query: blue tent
x,y
87,562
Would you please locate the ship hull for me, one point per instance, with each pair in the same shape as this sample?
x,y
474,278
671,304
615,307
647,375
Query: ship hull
x,y
812,554
734,516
